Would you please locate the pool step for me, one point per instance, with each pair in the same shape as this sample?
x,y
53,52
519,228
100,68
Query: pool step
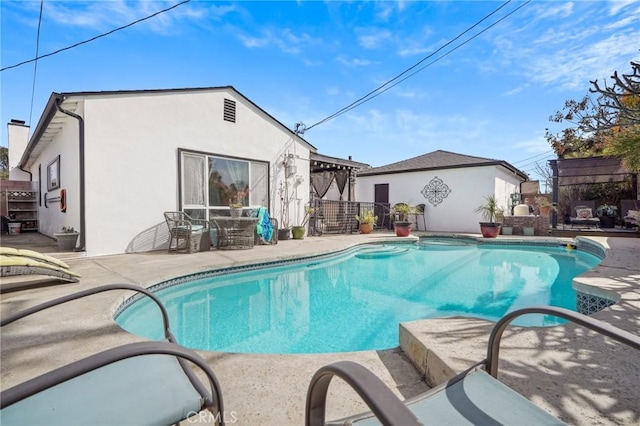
x,y
381,251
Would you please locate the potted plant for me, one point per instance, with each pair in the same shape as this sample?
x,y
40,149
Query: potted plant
x,y
367,221
490,228
401,222
67,239
298,231
607,214
236,206
544,205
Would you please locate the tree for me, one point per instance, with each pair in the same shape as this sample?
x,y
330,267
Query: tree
x,y
4,162
608,124
620,103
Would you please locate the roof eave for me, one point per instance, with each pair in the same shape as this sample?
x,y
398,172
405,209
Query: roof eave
x,y
49,112
457,166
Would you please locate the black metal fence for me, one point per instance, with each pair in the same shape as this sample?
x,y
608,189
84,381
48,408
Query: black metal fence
x,y
339,217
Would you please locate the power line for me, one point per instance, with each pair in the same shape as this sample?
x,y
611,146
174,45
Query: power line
x,y
532,164
96,37
410,68
538,155
438,58
378,91
35,65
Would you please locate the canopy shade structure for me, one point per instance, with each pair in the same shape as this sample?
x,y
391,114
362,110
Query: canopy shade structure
x,y
324,169
589,171
578,171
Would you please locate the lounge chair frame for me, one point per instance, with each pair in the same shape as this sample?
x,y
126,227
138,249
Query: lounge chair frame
x,y
386,406
211,399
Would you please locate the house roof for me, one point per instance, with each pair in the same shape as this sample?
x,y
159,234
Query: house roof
x,y
438,160
52,118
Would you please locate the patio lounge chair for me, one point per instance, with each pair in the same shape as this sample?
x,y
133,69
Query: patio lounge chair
x,y
186,233
630,213
474,396
15,262
137,383
584,216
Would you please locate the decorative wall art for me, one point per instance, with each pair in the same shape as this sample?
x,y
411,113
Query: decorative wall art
x,y
53,174
436,191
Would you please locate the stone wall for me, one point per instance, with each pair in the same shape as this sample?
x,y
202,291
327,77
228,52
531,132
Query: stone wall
x,y
539,223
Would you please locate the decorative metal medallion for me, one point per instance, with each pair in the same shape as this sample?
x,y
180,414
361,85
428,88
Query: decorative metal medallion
x,y
436,191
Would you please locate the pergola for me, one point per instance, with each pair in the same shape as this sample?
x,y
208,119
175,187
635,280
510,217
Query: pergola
x,y
324,170
589,170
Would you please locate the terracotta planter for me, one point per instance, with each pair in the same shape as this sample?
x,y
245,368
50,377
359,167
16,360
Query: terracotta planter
x,y
366,228
403,229
490,229
298,232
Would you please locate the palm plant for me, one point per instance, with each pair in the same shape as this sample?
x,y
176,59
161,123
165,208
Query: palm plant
x,y
490,210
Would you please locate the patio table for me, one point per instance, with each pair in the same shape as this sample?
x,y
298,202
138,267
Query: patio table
x,y
235,233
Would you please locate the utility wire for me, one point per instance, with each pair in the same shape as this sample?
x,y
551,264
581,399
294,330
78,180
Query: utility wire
x,y
549,155
410,68
529,158
379,91
35,65
96,37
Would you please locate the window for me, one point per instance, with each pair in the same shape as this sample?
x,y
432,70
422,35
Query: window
x,y
228,182
212,182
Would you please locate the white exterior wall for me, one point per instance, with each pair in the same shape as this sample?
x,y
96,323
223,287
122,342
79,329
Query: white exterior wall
x,y
132,143
65,144
456,213
507,183
131,162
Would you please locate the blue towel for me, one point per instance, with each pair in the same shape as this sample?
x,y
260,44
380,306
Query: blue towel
x,y
264,229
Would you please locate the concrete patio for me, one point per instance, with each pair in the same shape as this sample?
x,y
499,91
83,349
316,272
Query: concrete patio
x,y
582,378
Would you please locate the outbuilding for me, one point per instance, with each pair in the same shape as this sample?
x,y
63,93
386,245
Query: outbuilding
x,y
449,185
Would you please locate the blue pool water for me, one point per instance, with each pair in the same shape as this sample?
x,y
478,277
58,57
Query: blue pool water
x,y
355,300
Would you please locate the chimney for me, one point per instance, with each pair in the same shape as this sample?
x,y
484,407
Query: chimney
x,y
18,138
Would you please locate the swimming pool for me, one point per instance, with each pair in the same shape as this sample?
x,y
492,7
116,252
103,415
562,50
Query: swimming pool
x,y
354,300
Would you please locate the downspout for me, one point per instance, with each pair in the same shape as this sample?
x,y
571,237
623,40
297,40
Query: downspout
x,y
81,153
28,172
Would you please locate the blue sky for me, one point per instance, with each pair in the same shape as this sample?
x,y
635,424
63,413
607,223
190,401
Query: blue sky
x,y
304,61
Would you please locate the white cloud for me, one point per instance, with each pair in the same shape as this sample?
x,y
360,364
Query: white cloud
x,y
618,5
568,52
354,62
371,38
555,10
106,15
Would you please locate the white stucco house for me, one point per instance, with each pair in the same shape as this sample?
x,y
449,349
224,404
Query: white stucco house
x,y
122,158
450,186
